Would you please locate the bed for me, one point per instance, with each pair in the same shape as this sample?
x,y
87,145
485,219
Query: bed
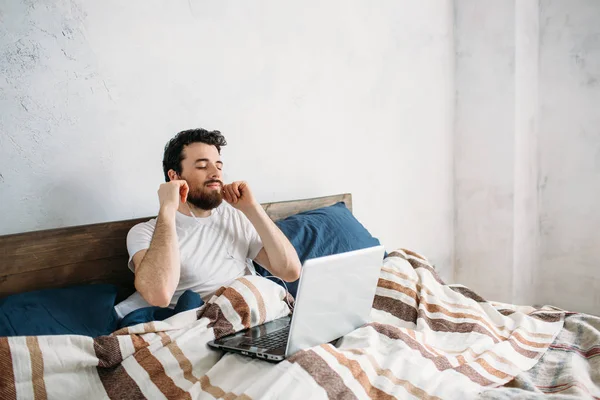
x,y
426,339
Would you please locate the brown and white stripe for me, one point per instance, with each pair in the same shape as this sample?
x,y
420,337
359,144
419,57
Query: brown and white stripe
x,y
8,390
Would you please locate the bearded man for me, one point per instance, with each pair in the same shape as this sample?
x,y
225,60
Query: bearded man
x,y
198,242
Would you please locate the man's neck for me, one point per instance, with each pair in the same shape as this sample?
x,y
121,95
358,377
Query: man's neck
x,y
185,208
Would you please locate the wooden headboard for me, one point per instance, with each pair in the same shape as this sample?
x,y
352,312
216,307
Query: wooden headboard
x,y
95,253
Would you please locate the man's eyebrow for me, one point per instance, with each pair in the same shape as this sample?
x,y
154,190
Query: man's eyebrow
x,y
207,160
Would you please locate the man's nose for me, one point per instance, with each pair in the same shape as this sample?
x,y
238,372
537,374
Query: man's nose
x,y
214,172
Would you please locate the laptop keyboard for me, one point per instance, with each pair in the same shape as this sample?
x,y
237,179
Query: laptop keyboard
x,y
271,340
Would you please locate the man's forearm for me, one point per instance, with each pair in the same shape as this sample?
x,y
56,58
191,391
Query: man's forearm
x,y
283,258
157,276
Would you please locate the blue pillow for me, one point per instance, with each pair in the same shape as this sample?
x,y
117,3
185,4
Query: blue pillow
x,y
187,301
322,232
78,310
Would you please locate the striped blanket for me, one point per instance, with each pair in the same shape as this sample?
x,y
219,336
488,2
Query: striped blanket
x,y
570,368
427,340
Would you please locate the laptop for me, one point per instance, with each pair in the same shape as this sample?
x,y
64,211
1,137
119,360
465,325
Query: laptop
x,y
335,296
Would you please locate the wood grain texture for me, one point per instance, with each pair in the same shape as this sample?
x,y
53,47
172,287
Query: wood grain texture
x,y
95,253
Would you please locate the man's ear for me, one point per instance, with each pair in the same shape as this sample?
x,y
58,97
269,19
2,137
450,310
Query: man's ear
x,y
173,175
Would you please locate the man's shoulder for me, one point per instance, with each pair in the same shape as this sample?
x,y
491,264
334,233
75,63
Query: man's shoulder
x,y
226,210
145,226
231,216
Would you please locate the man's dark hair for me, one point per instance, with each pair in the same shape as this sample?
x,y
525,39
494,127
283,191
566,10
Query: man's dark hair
x,y
174,148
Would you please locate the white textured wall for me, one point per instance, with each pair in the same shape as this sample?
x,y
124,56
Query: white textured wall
x,y
314,97
484,145
525,263
570,154
527,147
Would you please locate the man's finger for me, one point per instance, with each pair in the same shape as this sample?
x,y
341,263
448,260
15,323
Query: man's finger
x,y
236,189
232,194
226,194
183,191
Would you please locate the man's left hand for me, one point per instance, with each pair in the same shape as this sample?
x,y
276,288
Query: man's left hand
x,y
239,195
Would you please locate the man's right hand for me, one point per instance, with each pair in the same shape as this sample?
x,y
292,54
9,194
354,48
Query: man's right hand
x,y
171,193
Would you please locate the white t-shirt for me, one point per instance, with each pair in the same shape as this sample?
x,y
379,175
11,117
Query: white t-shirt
x,y
214,251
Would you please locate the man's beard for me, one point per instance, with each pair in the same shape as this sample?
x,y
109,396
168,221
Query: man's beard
x,y
206,200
